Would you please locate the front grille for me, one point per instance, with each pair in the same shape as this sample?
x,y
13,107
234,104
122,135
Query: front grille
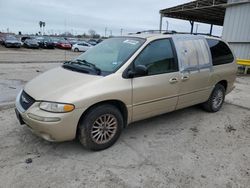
x,y
26,101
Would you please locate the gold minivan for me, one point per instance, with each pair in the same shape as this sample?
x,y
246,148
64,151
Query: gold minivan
x,y
123,80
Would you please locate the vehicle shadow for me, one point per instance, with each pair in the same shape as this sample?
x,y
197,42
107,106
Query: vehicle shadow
x,y
164,125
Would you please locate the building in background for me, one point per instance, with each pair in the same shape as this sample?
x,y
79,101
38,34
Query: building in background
x,y
233,15
236,27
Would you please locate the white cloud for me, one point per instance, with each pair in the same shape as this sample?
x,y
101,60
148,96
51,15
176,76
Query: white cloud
x,y
79,16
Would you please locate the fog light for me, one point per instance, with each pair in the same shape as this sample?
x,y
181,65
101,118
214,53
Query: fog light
x,y
47,137
44,119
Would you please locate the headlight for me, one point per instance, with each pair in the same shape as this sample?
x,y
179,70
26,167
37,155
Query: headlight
x,y
56,107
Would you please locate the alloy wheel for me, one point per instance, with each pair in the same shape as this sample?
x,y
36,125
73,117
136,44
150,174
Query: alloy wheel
x,y
104,128
217,99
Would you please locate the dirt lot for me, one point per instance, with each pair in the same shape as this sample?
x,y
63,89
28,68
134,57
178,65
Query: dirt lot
x,y
187,148
35,55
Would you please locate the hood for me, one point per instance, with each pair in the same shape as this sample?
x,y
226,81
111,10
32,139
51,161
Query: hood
x,y
48,41
65,43
58,84
12,41
32,42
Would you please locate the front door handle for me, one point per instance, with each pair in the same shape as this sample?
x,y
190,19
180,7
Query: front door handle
x,y
184,77
173,80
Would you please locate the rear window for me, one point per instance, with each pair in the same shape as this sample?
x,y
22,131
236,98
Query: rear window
x,y
221,54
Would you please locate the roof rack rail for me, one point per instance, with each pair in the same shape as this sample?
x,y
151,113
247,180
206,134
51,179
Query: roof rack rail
x,y
206,34
153,31
171,32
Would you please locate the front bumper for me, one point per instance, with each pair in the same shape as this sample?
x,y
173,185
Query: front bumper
x,y
33,46
54,127
13,45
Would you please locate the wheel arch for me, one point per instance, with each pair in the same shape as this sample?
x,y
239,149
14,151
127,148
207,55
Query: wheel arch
x,y
116,103
224,83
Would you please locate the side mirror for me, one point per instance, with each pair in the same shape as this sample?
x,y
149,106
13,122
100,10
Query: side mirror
x,y
139,70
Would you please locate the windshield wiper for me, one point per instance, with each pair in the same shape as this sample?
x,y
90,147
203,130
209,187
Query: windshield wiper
x,y
83,64
69,66
98,70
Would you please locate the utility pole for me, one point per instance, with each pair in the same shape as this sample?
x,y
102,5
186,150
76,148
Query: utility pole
x,y
40,25
121,31
43,27
105,32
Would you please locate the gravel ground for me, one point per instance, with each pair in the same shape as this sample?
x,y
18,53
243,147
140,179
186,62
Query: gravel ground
x,y
13,76
187,148
35,55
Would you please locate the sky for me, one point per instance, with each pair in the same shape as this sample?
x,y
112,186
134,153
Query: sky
x,y
79,16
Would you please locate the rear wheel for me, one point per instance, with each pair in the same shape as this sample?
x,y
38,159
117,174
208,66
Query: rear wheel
x,y
101,127
215,100
76,50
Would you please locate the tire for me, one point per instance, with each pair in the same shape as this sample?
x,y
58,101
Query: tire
x,y
215,100
76,50
91,129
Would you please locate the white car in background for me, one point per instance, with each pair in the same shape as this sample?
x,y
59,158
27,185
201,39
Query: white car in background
x,y
81,47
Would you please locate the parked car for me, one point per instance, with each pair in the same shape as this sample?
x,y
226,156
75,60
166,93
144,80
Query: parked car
x,y
11,41
31,43
45,42
1,40
24,38
39,39
72,41
81,47
99,40
55,40
93,42
123,80
63,44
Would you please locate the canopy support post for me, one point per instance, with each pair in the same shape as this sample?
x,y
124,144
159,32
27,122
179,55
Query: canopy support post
x,y
160,28
192,26
211,29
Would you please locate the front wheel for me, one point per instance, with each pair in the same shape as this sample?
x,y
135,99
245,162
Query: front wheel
x,y
76,50
101,127
215,100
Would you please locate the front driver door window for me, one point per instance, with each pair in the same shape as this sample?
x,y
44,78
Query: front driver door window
x,y
158,57
156,92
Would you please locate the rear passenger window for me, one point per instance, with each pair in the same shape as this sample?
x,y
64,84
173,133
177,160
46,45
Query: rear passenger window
x,y
221,54
193,53
158,57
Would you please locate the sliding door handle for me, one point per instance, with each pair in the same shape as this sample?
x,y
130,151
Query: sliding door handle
x,y
184,77
173,80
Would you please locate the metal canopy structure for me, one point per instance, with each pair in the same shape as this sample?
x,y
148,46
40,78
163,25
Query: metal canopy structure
x,y
205,11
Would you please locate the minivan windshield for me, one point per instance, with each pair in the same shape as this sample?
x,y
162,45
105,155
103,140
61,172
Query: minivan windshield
x,y
110,54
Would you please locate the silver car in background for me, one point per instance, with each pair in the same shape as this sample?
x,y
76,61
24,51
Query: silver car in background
x,y
81,47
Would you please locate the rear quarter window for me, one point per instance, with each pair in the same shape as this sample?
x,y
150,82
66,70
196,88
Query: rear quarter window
x,y
221,53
